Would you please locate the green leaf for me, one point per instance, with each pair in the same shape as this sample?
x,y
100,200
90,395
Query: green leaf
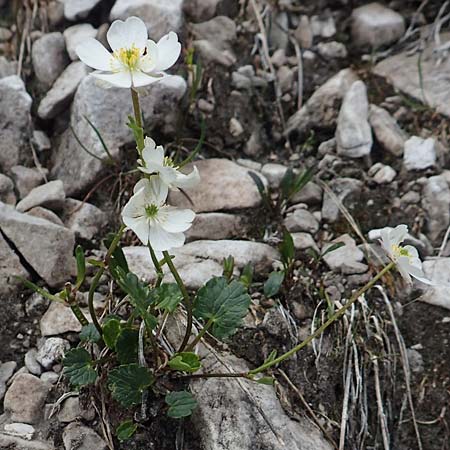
x,y
125,430
185,362
138,291
287,249
81,266
271,357
332,248
138,132
127,383
225,305
167,297
287,183
111,331
78,367
265,380
273,284
89,333
39,290
127,346
228,267
181,404
118,258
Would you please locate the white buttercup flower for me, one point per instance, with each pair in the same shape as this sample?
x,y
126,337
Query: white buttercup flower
x,y
154,162
406,258
136,60
154,222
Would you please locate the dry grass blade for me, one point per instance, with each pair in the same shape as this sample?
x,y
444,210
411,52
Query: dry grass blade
x,y
381,414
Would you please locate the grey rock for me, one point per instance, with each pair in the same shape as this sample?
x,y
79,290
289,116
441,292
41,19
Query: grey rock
x,y
46,214
216,226
31,363
332,49
304,32
61,93
376,25
15,121
346,259
382,174
50,377
210,54
40,141
49,57
36,305
304,241
58,319
277,36
108,110
5,34
70,410
346,190
160,16
415,360
84,219
419,154
274,173
301,220
25,398
75,35
26,178
200,10
10,268
321,108
55,12
327,147
387,130
21,430
14,442
323,26
402,71
52,351
234,416
7,68
46,247
353,132
50,195
6,371
310,194
80,437
285,76
436,203
78,9
214,192
437,270
7,194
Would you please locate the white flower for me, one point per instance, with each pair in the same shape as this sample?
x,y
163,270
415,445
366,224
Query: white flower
x,y
154,222
405,257
136,60
154,162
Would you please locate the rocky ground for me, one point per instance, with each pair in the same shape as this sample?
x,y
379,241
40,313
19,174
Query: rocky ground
x,y
357,92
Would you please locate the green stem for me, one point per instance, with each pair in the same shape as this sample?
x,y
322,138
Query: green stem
x,y
79,315
157,265
138,117
187,299
321,329
97,277
200,335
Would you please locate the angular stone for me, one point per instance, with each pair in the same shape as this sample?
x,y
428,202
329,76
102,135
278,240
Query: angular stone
x,y
323,26
387,130
31,363
45,214
332,49
311,194
436,203
50,195
304,241
7,68
59,319
15,121
61,93
26,179
49,57
382,174
25,398
431,88
14,442
346,259
224,186
108,110
437,270
48,248
10,268
80,437
52,351
353,132
321,109
21,430
78,9
419,154
41,141
84,219
216,226
7,194
200,10
248,417
376,25
75,35
274,173
160,16
301,220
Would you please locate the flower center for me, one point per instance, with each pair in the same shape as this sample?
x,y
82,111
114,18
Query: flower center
x,y
151,211
400,251
168,162
128,57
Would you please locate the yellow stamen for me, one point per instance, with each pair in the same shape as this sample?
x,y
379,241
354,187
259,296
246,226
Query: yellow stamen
x,y
128,57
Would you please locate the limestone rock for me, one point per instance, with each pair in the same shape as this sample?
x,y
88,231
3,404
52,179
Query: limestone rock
x,y
78,9
382,174
311,194
46,247
304,241
58,319
200,10
52,352
7,68
353,132
274,173
31,363
75,35
224,186
26,179
419,153
216,226
346,259
80,437
13,442
46,214
301,220
437,270
7,194
50,195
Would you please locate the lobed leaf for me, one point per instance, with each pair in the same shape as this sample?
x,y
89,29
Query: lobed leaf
x,y
185,362
89,333
125,430
78,367
181,404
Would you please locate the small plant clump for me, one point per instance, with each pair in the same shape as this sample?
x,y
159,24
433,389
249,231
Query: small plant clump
x,y
124,350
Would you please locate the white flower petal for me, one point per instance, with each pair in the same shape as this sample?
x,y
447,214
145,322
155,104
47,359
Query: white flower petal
x,y
119,79
141,184
141,79
175,220
398,234
126,34
140,227
150,60
168,175
162,240
168,51
94,55
152,155
402,267
412,252
157,191
186,181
